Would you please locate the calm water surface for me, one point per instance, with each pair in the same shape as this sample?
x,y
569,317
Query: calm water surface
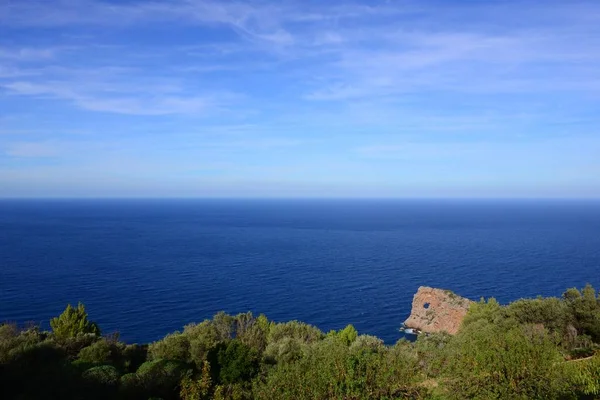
x,y
148,267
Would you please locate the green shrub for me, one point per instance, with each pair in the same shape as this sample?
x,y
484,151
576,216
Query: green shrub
x,y
235,362
34,369
285,350
104,375
197,389
172,347
585,307
252,331
100,352
332,370
346,335
366,343
202,337
551,312
294,329
134,355
433,353
13,340
490,362
224,325
131,388
584,376
161,377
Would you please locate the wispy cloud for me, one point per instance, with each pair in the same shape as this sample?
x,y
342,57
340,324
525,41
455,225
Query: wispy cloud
x,y
27,54
32,150
152,101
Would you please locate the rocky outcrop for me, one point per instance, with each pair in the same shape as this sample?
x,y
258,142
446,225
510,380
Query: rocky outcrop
x,y
437,310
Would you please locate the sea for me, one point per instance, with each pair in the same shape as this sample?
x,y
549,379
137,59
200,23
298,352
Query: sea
x,y
145,268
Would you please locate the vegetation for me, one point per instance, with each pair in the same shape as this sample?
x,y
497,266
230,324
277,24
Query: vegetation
x,y
543,348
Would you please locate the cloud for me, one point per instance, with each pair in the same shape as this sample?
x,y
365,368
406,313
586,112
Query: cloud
x,y
28,54
460,62
154,103
32,150
256,21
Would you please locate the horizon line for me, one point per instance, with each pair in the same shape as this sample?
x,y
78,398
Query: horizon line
x,y
507,198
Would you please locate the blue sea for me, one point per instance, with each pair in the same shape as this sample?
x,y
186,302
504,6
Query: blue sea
x,y
145,268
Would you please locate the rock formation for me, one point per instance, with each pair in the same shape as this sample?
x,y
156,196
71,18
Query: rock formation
x,y
437,310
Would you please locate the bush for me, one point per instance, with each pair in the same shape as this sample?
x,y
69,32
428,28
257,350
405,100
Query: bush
x,y
331,370
173,347
551,312
585,307
100,352
134,355
34,369
235,362
104,375
161,377
13,340
367,343
489,362
285,350
202,338
432,352
346,335
197,389
130,387
252,331
297,330
584,376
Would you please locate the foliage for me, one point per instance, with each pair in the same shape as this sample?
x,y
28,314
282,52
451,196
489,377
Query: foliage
x,y
551,312
99,352
285,350
101,382
529,349
332,370
433,353
585,376
236,362
491,362
366,343
161,378
346,335
252,331
296,330
173,347
202,338
585,307
72,323
197,389
489,311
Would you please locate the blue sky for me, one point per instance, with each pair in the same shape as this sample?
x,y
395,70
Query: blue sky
x,y
340,98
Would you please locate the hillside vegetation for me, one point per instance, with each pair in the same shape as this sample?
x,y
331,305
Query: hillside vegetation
x,y
543,348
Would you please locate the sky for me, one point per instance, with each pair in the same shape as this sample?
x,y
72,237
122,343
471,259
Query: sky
x,y
303,98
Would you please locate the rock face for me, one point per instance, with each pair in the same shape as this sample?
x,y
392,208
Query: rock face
x,y
437,310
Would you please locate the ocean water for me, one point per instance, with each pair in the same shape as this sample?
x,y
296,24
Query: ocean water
x,y
148,267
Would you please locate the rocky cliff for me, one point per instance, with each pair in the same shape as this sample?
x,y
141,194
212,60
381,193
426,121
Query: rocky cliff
x,y
437,310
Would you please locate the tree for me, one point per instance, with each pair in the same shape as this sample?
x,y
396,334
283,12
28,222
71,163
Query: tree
x,y
236,362
73,322
196,389
586,310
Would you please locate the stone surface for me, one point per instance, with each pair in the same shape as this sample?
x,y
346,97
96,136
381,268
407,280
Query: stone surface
x,y
437,310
